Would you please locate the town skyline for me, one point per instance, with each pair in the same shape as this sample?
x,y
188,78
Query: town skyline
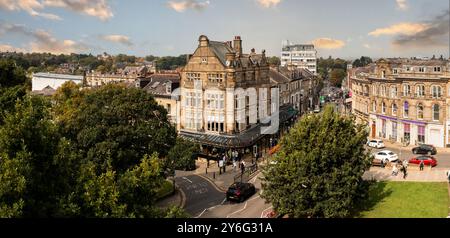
x,y
392,28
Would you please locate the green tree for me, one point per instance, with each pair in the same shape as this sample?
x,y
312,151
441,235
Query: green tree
x,y
29,140
10,74
181,156
8,98
274,61
318,171
337,76
362,62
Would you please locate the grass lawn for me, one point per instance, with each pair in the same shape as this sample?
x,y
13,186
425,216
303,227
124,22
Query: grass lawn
x,y
166,190
407,200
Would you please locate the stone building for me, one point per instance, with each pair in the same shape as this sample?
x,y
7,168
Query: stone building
x,y
404,100
225,95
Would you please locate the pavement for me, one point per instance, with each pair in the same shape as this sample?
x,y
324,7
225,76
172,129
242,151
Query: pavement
x,y
413,175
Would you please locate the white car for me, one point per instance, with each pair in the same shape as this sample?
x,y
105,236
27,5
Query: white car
x,y
379,144
386,156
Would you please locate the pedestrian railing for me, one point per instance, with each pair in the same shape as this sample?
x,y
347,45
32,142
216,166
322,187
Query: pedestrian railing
x,y
247,174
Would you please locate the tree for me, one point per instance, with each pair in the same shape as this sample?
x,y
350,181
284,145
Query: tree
x,y
8,98
28,142
362,62
181,156
95,154
318,171
117,125
274,61
337,76
10,74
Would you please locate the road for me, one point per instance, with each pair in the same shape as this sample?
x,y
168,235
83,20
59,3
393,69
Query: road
x,y
251,208
443,158
199,194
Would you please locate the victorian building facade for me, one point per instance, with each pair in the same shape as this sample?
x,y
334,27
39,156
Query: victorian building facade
x,y
404,100
225,94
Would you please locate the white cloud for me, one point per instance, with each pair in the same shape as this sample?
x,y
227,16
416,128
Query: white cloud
x,y
367,46
402,5
125,40
401,28
327,43
43,41
29,6
95,8
269,3
182,6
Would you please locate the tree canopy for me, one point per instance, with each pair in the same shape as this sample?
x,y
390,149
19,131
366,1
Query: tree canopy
x,y
362,62
318,172
89,153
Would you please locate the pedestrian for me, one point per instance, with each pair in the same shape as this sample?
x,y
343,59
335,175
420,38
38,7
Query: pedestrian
x,y
405,172
422,164
234,165
242,167
448,176
405,164
394,170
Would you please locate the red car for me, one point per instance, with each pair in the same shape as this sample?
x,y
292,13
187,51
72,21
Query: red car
x,y
427,160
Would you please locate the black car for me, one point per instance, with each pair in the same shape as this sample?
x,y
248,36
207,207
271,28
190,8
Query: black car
x,y
240,191
424,150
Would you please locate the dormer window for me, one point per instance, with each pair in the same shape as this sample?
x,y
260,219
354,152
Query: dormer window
x,y
395,71
168,88
204,60
422,69
437,69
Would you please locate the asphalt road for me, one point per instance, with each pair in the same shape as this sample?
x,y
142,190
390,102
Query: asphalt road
x,y
251,208
443,158
199,193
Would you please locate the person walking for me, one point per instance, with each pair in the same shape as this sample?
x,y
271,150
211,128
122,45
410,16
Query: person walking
x,y
234,165
422,165
242,167
394,170
405,172
448,176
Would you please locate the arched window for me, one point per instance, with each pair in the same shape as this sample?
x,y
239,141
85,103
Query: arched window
x,y
393,92
406,90
436,112
383,108
406,110
394,109
420,111
436,91
420,91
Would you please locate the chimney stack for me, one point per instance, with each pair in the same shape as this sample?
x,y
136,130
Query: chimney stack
x,y
238,44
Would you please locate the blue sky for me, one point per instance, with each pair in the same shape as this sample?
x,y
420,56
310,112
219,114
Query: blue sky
x,y
341,28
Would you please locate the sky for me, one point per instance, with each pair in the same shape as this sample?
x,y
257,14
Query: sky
x,y
338,28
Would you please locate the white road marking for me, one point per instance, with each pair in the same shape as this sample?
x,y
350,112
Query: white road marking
x,y
211,208
253,198
201,213
187,179
245,206
256,177
262,213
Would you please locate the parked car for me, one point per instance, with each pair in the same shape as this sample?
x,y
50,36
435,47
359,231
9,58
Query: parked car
x,y
240,191
385,156
424,150
427,160
379,144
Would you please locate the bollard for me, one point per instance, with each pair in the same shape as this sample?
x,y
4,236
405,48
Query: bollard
x,y
206,171
214,175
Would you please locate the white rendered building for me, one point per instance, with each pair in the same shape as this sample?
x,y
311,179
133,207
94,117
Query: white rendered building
x,y
302,56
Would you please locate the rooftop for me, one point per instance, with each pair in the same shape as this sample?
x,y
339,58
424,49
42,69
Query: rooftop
x,y
59,76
